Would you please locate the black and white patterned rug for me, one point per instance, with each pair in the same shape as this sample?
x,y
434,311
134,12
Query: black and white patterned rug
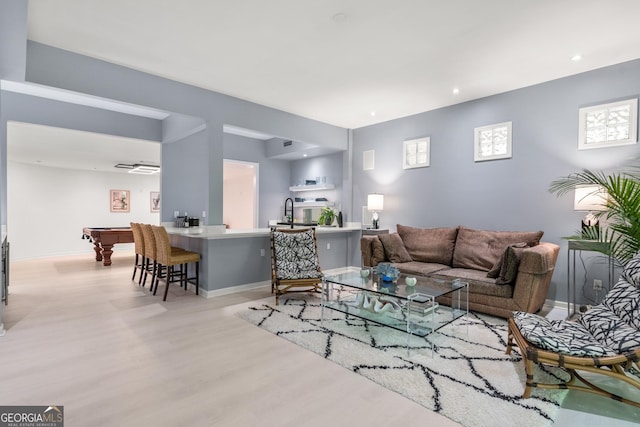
x,y
469,379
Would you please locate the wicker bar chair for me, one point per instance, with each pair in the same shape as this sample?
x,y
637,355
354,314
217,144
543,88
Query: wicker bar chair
x,y
138,241
168,259
294,261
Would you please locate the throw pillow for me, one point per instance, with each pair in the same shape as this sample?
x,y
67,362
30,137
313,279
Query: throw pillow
x,y
429,244
510,264
394,249
505,264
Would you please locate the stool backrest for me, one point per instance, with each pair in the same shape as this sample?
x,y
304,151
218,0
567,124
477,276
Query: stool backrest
x,y
163,246
149,242
138,238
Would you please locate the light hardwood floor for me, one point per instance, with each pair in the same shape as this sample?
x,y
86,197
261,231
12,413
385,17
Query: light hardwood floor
x,y
86,337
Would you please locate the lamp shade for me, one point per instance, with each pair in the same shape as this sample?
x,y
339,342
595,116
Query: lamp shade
x,y
590,198
375,202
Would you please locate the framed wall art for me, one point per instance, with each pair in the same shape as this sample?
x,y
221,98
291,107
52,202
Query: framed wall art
x,y
120,200
416,154
608,125
155,201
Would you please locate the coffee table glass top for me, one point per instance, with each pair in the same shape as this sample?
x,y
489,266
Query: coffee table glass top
x,y
432,286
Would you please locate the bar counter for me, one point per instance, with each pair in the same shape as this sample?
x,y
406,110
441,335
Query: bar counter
x,y
236,259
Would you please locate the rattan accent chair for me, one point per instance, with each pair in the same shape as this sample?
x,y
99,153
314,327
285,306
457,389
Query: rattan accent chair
x,y
294,261
168,258
603,340
611,366
140,260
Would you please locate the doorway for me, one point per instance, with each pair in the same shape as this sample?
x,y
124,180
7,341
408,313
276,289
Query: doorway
x,y
240,194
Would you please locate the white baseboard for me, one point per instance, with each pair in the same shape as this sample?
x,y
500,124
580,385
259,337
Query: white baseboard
x,y
234,289
553,304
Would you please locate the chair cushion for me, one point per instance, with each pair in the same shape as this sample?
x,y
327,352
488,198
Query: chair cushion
x,y
560,336
609,329
394,249
295,255
624,300
631,271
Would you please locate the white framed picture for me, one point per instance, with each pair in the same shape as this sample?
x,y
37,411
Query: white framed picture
x,y
492,142
608,125
415,153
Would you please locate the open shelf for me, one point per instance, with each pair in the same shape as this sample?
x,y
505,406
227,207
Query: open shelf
x,y
315,187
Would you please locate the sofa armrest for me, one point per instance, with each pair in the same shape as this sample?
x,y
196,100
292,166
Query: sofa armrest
x,y
372,251
534,276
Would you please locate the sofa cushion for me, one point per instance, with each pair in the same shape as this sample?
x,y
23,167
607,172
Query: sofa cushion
x,y
560,336
480,249
506,268
609,329
394,249
478,281
416,268
429,244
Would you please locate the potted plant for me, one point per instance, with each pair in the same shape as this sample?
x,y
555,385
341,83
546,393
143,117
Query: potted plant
x,y
622,208
327,216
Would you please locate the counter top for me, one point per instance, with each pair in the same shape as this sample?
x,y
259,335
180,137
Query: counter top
x,y
219,232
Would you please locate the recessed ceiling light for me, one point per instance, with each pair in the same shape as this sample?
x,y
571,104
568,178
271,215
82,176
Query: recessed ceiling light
x,y
576,58
304,155
373,114
456,91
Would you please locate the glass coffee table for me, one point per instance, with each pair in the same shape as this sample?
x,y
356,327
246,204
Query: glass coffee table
x,y
411,309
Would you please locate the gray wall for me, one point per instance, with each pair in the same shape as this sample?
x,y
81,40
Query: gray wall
x,y
62,69
13,39
509,194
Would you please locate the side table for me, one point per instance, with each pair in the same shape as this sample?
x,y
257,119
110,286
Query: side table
x,y
573,246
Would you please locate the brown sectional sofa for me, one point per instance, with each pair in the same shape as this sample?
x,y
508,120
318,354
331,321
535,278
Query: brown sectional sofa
x,y
507,271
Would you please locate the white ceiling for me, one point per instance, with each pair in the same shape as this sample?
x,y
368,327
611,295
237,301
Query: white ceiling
x,y
73,149
332,60
338,60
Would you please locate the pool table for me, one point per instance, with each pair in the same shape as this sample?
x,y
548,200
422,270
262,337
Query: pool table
x,y
104,238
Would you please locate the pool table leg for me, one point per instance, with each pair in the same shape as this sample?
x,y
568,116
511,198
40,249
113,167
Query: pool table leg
x,y
106,254
98,249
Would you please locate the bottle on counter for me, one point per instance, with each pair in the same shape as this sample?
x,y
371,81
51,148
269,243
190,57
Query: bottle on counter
x,y
186,220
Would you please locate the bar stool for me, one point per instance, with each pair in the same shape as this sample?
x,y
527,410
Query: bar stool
x,y
151,264
169,259
138,241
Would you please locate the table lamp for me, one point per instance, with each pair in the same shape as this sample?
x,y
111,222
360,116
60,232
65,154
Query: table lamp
x,y
590,198
375,204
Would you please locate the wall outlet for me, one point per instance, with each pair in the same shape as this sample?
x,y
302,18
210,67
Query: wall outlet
x,y
597,284
328,245
262,252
